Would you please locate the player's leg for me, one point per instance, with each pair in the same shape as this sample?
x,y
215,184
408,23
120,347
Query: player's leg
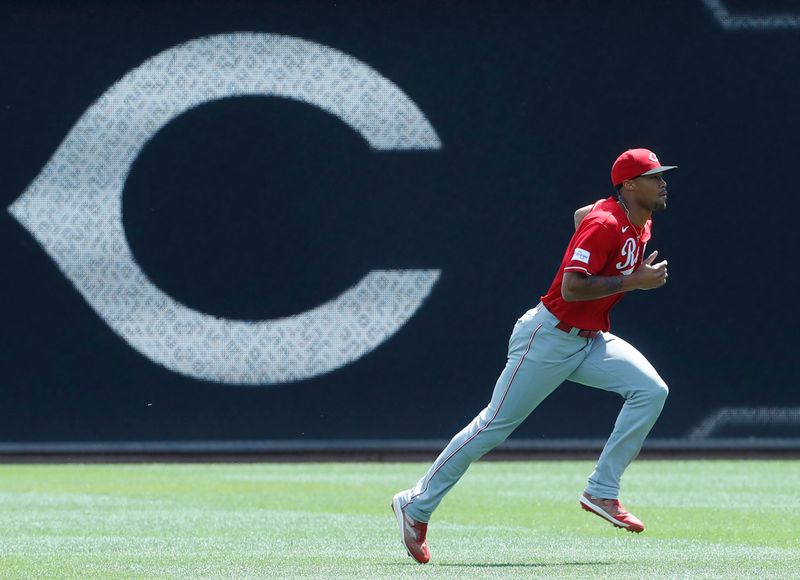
x,y
614,365
540,358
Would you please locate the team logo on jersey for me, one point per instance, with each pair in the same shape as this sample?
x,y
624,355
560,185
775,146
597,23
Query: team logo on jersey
x,y
630,253
581,255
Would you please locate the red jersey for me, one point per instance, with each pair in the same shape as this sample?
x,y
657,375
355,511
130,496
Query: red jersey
x,y
605,244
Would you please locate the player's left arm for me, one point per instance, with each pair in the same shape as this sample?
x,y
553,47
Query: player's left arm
x,y
582,213
578,286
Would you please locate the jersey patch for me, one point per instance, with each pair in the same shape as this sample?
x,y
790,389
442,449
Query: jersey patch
x,y
581,255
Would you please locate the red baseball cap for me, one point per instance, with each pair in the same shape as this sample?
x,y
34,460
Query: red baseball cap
x,y
635,163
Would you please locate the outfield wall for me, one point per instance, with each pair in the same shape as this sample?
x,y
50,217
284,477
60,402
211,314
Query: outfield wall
x,y
289,224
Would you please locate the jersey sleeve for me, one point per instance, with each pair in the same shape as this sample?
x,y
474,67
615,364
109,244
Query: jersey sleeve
x,y
646,231
593,245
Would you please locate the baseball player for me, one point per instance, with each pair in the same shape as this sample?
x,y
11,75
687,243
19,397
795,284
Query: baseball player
x,y
565,337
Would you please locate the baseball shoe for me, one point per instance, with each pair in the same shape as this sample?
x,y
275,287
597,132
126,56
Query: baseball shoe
x,y
412,532
613,511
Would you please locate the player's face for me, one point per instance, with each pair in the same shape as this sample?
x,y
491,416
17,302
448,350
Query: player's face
x,y
651,192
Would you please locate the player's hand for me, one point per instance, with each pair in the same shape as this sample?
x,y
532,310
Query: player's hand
x,y
650,275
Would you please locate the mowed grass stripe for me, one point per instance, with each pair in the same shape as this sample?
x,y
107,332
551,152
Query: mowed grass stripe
x,y
705,519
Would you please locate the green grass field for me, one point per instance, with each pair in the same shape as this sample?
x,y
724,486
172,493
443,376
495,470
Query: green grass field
x,y
705,519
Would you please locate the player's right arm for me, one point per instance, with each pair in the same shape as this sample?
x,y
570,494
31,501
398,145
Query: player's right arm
x,y
577,286
582,213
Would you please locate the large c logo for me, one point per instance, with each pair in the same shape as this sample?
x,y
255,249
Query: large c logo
x,y
74,209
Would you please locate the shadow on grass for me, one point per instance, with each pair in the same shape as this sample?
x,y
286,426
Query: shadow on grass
x,y
521,565
507,564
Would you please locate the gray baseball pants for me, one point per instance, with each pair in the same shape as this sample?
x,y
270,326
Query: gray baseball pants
x,y
540,358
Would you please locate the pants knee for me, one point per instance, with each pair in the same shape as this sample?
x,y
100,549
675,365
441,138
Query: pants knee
x,y
659,391
654,392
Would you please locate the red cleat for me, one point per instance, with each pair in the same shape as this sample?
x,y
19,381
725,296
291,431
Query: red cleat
x,y
613,511
412,532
